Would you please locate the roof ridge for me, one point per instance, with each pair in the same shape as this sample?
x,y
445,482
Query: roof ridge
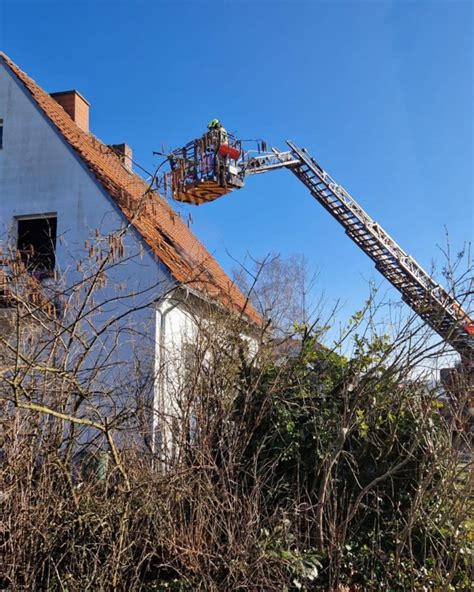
x,y
165,232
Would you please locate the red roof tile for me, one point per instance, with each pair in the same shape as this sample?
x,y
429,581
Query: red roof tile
x,y
160,226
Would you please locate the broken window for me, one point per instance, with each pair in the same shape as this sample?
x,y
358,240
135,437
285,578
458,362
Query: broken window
x,y
37,244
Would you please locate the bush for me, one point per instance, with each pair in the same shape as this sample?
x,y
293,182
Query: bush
x,y
311,472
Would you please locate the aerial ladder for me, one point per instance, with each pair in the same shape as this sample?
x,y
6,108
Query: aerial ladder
x,y
196,177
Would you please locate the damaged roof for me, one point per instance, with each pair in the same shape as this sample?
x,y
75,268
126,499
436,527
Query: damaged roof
x,y
162,229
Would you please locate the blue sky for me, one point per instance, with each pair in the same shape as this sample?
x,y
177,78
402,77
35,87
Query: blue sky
x,y
380,92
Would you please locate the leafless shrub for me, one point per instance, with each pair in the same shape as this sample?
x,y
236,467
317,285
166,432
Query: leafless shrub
x,y
312,471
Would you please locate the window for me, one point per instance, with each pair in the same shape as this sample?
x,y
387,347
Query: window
x,y
37,244
1,134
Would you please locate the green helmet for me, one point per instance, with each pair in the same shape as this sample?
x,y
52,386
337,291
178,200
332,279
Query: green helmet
x,y
213,123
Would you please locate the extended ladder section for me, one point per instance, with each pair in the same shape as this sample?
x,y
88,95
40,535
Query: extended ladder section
x,y
427,298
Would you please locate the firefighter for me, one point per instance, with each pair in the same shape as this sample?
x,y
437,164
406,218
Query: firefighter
x,y
217,133
216,137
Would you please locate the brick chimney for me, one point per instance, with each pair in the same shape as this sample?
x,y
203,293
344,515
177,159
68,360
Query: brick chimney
x,y
75,106
124,152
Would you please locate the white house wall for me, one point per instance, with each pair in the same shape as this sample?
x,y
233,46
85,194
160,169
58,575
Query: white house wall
x,y
175,328
40,173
